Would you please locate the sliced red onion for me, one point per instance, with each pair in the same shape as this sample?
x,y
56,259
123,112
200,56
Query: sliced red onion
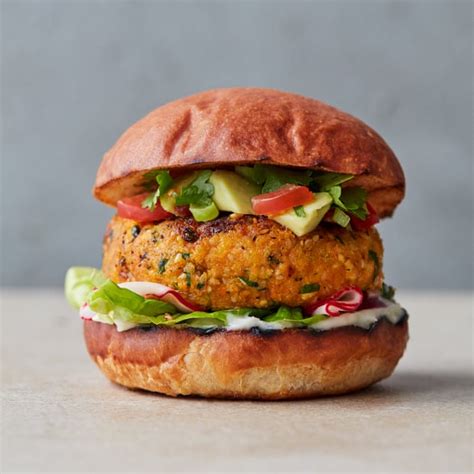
x,y
85,312
164,293
346,300
373,300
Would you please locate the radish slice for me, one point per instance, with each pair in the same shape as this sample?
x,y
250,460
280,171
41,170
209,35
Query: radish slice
x,y
346,300
161,292
85,312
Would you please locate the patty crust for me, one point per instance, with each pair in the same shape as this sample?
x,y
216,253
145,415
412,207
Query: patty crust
x,y
242,261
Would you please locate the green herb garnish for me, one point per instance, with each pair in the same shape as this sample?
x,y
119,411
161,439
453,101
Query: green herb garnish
x,y
276,177
340,217
374,257
246,281
188,279
309,288
299,211
354,201
388,292
162,265
165,181
326,181
200,285
198,193
185,255
272,259
272,178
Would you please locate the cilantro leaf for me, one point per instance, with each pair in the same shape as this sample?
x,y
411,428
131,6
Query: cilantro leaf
x,y
325,181
198,193
354,200
351,200
272,178
165,181
336,193
276,177
255,174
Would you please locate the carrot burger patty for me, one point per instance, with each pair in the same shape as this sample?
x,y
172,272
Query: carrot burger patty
x,y
242,261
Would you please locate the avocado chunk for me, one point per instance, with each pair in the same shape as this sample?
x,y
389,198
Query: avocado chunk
x,y
168,200
310,218
232,192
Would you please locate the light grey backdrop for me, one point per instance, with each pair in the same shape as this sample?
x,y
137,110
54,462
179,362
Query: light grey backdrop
x,y
75,74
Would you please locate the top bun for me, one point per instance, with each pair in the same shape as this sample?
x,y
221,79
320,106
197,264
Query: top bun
x,y
227,127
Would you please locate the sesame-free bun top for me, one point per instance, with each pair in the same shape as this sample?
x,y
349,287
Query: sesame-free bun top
x,y
227,127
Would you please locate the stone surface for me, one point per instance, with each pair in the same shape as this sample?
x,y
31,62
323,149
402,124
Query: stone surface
x,y
60,414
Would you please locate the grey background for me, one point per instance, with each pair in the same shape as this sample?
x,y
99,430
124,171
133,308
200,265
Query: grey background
x,y
76,74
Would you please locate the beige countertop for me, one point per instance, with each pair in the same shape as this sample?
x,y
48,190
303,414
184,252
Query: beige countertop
x,y
59,414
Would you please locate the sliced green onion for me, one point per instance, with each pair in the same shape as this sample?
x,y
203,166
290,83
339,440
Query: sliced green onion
x,y
340,217
309,288
299,211
206,213
246,281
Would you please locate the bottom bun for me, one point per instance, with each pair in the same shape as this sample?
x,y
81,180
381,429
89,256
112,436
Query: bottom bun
x,y
293,363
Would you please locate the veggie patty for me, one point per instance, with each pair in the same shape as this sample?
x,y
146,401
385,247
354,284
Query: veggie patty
x,y
242,261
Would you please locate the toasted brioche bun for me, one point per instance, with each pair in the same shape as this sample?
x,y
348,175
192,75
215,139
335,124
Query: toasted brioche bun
x,y
286,364
227,127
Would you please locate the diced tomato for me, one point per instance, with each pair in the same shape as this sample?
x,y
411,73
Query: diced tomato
x,y
131,208
370,220
281,200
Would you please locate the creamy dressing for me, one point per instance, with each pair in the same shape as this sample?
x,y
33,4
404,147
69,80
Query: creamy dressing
x,y
143,288
244,323
363,319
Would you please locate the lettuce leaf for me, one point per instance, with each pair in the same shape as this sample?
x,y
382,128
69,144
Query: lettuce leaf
x,y
293,317
126,309
79,283
126,304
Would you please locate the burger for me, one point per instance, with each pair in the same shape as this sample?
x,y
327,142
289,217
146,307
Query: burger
x,y
243,261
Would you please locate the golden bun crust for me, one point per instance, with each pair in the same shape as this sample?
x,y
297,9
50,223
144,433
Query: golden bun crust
x,y
246,365
226,127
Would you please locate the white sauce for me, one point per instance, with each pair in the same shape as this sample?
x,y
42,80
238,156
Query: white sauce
x,y
143,288
363,319
244,323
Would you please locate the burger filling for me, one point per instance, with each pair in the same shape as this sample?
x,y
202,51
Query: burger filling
x,y
255,247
